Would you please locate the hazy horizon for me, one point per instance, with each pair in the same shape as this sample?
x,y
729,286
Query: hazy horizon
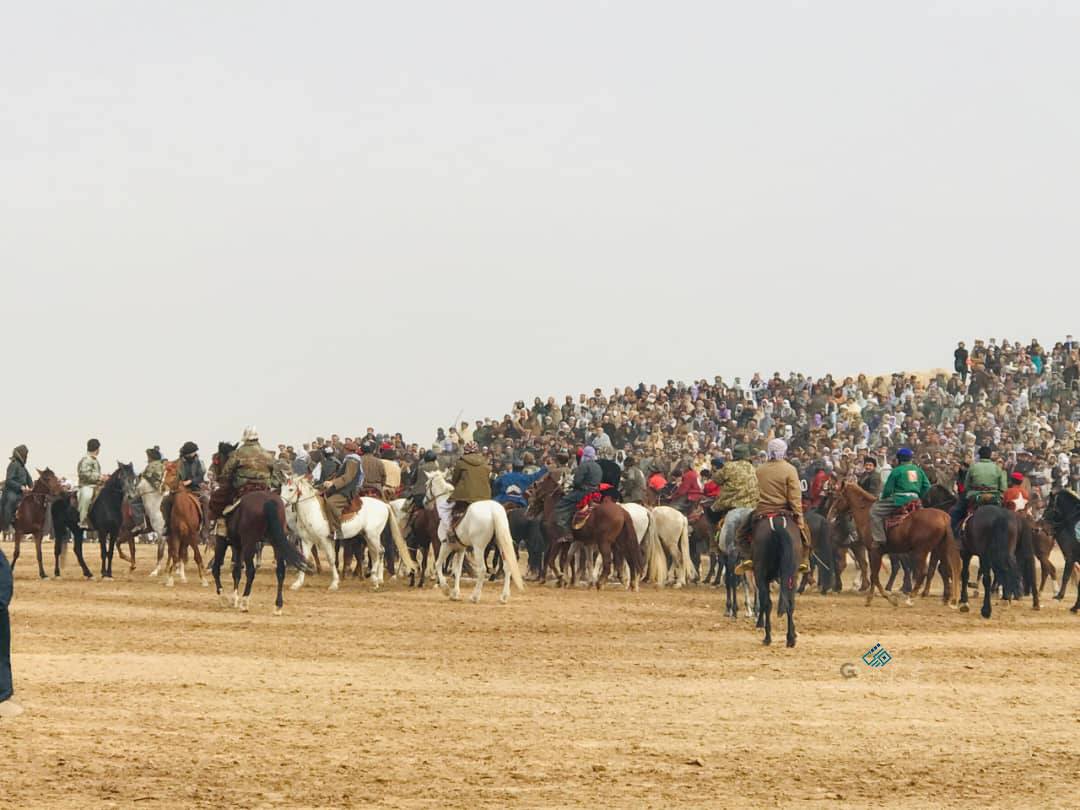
x,y
320,218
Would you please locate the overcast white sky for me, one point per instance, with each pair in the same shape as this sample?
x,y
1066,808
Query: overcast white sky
x,y
319,216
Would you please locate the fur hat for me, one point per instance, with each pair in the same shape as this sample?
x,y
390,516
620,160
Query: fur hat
x,y
251,434
188,448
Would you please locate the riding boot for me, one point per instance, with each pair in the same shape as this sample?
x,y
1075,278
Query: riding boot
x,y
746,562
334,520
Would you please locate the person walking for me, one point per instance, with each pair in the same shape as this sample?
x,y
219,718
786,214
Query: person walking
x,y
8,707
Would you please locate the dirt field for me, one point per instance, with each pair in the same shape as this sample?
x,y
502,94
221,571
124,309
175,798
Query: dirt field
x,y
142,696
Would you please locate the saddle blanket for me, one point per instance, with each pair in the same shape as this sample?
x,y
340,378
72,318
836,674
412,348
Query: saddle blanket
x,y
905,511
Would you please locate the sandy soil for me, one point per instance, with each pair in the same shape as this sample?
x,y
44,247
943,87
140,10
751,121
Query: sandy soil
x,y
142,696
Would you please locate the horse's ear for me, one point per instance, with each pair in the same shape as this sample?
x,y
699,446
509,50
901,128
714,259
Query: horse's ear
x,y
39,472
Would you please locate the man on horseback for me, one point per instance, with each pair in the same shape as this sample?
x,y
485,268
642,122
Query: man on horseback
x,y
190,475
779,491
250,468
471,480
17,483
1015,498
985,482
738,485
374,471
153,474
340,491
510,487
906,483
89,474
587,478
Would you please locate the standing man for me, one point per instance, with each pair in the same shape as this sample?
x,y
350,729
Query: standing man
x,y
8,707
18,483
89,476
632,486
960,359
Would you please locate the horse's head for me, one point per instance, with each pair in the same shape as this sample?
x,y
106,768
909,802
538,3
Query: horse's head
x,y
437,486
540,492
125,473
224,450
838,500
48,483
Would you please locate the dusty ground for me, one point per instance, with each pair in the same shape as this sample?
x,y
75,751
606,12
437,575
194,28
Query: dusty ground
x,y
142,696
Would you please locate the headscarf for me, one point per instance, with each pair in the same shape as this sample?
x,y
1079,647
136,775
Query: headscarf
x,y
589,453
777,449
20,453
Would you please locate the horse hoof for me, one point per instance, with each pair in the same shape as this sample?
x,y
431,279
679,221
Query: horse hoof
x,y
278,611
766,641
964,608
44,576
1074,609
205,584
908,602
893,600
474,599
1036,607
168,583
503,599
226,602
791,642
333,587
295,586
455,597
245,605
153,573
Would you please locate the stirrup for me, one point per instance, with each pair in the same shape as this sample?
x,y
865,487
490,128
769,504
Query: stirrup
x,y
804,567
743,567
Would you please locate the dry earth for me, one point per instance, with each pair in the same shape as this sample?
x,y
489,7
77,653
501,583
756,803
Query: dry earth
x,y
142,696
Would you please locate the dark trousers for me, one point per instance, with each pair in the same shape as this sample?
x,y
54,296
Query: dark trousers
x,y
5,628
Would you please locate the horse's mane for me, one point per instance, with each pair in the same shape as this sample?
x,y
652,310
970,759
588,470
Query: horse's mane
x,y
859,491
42,484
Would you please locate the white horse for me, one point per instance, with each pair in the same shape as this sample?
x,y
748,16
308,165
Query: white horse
x,y
151,500
313,528
482,521
663,531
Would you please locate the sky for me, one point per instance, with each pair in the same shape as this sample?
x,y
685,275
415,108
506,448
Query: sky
x,y
315,217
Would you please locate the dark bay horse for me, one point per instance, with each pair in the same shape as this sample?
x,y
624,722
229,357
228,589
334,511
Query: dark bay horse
x,y
259,516
992,534
776,555
65,518
1062,513
106,514
608,527
924,532
30,515
422,540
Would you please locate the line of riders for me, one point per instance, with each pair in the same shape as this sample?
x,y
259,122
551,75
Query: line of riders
x,y
771,489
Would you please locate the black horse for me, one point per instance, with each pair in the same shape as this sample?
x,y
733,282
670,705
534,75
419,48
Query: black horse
x,y
1062,513
822,556
992,534
775,558
529,531
107,513
65,517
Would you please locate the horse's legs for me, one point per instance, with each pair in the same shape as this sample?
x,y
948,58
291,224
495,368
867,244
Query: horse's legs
x,y
58,550
875,578
279,569
375,553
965,570
220,544
328,552
237,563
1029,572
18,542
249,570
1067,552
459,561
986,571
481,572
40,562
193,544
306,549
788,595
162,547
440,564
172,559
894,569
765,608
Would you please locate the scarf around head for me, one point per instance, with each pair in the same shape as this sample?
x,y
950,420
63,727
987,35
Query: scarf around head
x,y
777,449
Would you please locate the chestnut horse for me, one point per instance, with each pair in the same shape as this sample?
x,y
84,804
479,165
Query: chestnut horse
x,y
923,532
184,533
608,527
30,516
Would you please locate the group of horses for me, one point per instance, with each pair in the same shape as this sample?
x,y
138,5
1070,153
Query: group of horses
x,y
629,541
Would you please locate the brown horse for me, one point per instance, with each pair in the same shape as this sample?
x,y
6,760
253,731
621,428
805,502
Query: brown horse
x,y
423,540
607,528
923,532
185,527
30,516
259,515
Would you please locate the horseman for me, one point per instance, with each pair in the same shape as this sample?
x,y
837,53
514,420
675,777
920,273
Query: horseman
x,y
190,475
328,466
510,488
738,484
418,486
985,482
374,471
906,483
89,474
153,474
471,480
688,493
17,483
1015,498
391,471
587,478
339,491
778,491
250,468
870,479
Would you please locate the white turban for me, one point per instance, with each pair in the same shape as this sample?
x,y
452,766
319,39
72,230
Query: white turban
x,y
777,449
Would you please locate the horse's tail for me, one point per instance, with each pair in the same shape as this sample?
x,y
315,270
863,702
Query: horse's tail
x,y
506,547
655,565
788,566
283,549
689,567
998,551
399,541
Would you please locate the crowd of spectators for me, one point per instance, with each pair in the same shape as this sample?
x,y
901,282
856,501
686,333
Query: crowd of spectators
x,y
1021,400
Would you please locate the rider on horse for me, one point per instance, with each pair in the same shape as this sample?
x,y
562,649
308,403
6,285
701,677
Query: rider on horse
x,y
153,474
89,472
190,475
1015,498
985,482
778,491
471,480
688,493
587,478
18,481
250,468
340,491
632,482
374,471
510,487
906,483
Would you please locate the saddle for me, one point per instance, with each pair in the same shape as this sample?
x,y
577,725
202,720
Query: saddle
x,y
246,489
457,512
370,492
905,511
584,509
350,509
746,531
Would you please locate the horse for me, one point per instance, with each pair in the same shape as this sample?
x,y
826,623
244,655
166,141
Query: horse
x,y
992,533
313,528
776,555
65,517
185,527
30,515
729,559
482,521
524,528
822,557
258,515
106,514
923,532
422,539
609,526
1062,513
